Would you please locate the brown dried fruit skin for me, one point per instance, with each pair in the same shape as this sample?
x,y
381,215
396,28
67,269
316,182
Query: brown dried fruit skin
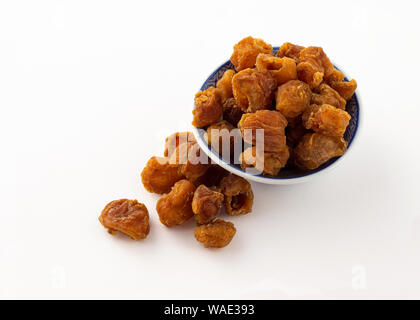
x,y
272,122
245,52
208,107
269,163
159,175
192,162
221,134
175,139
346,89
315,149
293,98
314,67
324,94
127,216
225,85
206,204
290,50
217,234
253,90
238,195
326,119
174,207
282,69
232,113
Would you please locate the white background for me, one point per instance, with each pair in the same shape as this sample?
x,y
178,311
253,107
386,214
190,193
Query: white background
x,y
90,89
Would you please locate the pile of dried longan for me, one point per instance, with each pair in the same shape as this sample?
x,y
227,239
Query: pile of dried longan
x,y
296,97
188,190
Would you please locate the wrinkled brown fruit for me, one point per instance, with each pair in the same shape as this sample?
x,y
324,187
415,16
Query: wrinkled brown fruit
x,y
225,85
292,99
326,119
254,90
127,216
238,195
245,52
159,175
208,107
174,207
217,234
206,204
315,149
268,163
282,69
272,122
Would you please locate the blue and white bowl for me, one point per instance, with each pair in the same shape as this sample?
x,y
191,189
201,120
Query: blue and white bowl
x,y
286,175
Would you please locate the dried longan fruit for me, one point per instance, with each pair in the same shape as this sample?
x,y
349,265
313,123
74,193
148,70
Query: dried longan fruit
x,y
268,163
217,234
282,69
232,113
324,94
290,50
175,139
238,195
271,122
245,52
208,107
174,207
206,204
127,216
159,175
292,99
225,85
219,136
326,119
254,90
315,149
346,89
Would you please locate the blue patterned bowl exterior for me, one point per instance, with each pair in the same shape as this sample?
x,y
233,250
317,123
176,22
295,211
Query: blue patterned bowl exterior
x,y
352,108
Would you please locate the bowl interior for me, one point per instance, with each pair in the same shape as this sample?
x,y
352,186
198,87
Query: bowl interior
x,y
352,108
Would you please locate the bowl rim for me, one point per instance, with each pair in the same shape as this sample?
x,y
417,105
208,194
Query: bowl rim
x,y
279,180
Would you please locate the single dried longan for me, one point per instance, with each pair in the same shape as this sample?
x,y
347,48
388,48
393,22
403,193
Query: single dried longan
x,y
282,69
127,216
159,175
217,234
326,119
346,89
324,94
206,204
272,122
221,135
208,107
232,113
290,50
225,85
315,149
175,139
268,163
292,99
238,195
253,90
245,52
314,67
174,207
192,162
